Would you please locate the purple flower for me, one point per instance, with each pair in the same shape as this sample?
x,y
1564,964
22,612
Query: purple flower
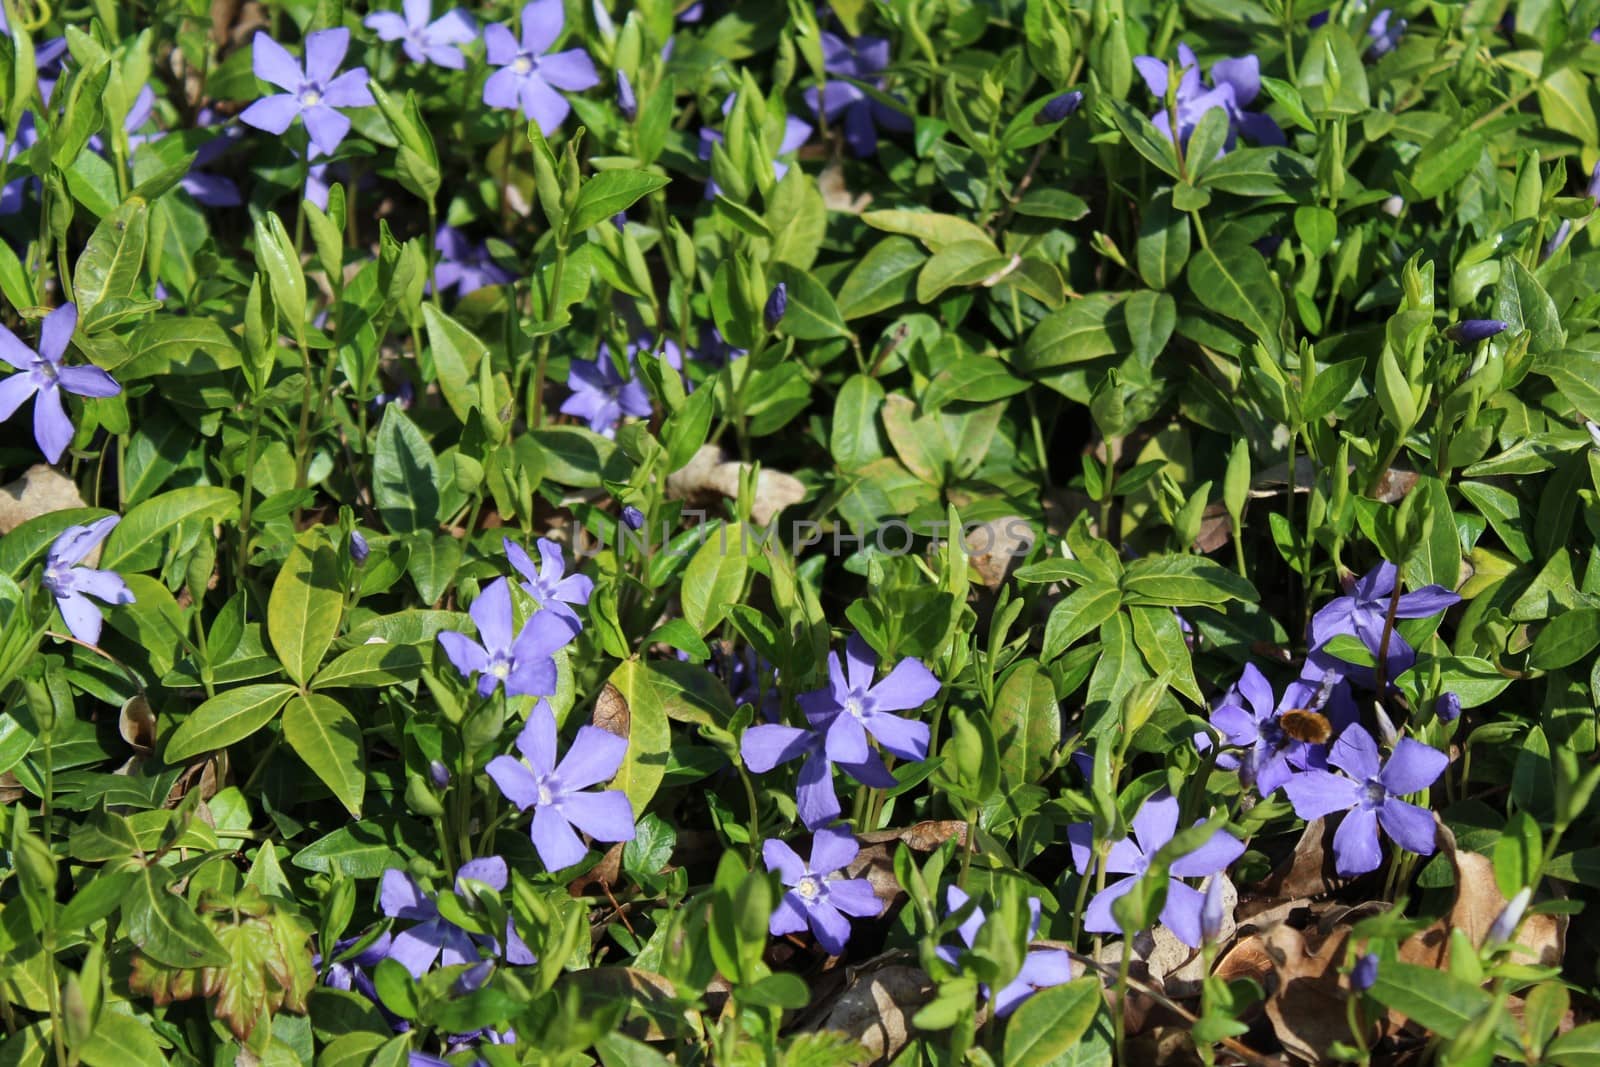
x,y
602,396
1362,614
765,746
795,133
632,517
1384,32
1447,707
1506,923
210,190
351,974
438,774
359,549
1041,969
1370,797
311,92
1250,719
1592,190
815,898
434,937
464,266
1557,239
423,41
544,582
714,351
1212,912
777,306
1235,83
742,673
528,77
1153,827
855,707
22,139
1059,108
1471,331
523,663
42,376
554,790
72,585
627,103
861,60
1365,973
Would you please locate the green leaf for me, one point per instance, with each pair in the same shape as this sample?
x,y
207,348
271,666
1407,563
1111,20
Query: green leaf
x,y
853,436
369,666
932,229
304,608
883,278
227,717
609,192
812,314
1164,242
163,925
714,578
1260,172
1232,280
1027,722
360,850
1159,635
962,263
277,259
1083,330
405,475
642,718
139,540
1183,581
1333,383
324,734
1566,639
1578,1047
1048,1024
456,353
30,540
1080,614
1436,1000
110,264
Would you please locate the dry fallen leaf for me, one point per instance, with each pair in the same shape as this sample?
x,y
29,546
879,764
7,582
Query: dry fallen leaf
x,y
41,490
875,1009
995,547
1305,992
611,712
710,474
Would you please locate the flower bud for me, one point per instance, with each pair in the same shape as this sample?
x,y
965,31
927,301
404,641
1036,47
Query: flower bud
x,y
777,304
1211,914
620,221
1364,973
627,103
1059,108
439,774
1471,331
632,518
1447,707
359,549
1502,928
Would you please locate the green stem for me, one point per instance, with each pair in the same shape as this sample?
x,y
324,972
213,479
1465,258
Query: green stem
x,y
247,501
302,439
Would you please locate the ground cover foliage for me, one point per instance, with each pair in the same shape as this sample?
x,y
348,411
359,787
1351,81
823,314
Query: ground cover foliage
x,y
920,531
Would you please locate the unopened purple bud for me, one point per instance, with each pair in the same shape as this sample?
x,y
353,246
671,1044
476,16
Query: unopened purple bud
x,y
1594,184
1059,108
1557,239
620,221
1364,973
627,103
1211,909
359,549
1471,331
439,773
1386,731
777,304
1594,432
632,518
1502,928
1448,707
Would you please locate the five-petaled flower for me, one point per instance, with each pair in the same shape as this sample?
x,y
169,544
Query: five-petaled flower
x,y
424,41
1249,719
1365,612
765,746
464,266
527,76
544,581
1235,83
311,92
856,707
1041,968
523,662
603,396
1370,797
42,376
555,791
72,585
436,938
860,60
1153,827
815,898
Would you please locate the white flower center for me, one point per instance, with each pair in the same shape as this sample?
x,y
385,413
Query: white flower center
x,y
545,796
500,667
809,887
523,64
310,97
854,706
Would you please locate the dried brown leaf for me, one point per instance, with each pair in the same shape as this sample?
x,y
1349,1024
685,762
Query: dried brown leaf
x,y
710,474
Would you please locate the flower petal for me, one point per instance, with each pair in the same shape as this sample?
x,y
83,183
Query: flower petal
x,y
1425,602
272,114
1097,917
764,747
272,63
572,70
1412,767
1213,856
14,352
854,896
386,24
789,917
400,897
830,928
910,685
51,428
56,332
516,782
1156,821
861,665
465,654
492,614
815,798
537,741
594,757
1411,827
542,104
107,586
846,739
87,381
1315,793
553,838
905,738
501,47
1355,843
778,856
542,21
1181,912
871,771
14,392
325,50
415,950
490,870
1244,74
832,849
605,816
1355,753
349,90
82,617
327,128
